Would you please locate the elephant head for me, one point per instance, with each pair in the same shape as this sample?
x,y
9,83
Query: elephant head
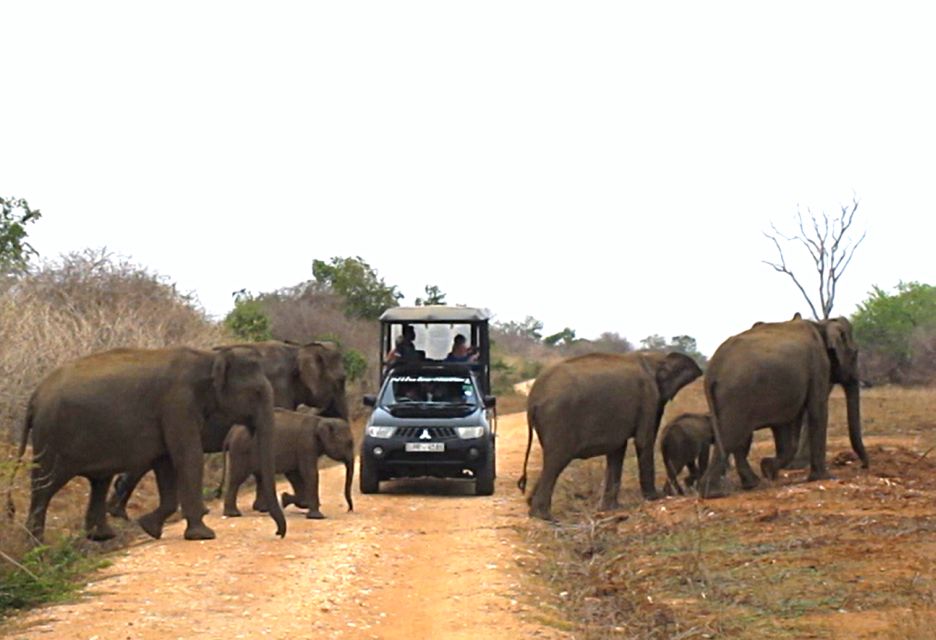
x,y
322,373
672,372
335,440
243,395
843,360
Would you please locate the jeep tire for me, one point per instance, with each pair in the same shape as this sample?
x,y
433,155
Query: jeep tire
x,y
484,478
369,481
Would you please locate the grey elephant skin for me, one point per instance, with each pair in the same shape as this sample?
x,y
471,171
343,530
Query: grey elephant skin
x,y
299,440
592,405
685,443
129,410
779,375
311,374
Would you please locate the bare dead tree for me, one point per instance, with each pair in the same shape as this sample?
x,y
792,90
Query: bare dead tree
x,y
827,239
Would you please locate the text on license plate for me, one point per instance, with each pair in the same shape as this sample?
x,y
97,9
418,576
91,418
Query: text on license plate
x,y
425,446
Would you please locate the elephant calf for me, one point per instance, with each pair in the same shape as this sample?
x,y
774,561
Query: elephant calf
x,y
685,443
299,438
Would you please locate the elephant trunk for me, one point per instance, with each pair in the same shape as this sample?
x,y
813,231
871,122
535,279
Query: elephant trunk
x,y
853,406
349,477
264,435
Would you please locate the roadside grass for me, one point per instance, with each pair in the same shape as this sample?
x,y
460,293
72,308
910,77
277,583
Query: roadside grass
x,y
855,556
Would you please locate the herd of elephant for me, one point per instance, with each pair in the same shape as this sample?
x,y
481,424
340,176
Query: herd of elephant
x,y
775,374
128,411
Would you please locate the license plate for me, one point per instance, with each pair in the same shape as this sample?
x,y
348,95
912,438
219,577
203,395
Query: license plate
x,y
425,446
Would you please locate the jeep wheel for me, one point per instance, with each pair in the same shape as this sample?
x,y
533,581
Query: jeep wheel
x,y
368,476
484,478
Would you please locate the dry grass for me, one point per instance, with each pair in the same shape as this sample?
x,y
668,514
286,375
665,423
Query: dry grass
x,y
86,302
854,557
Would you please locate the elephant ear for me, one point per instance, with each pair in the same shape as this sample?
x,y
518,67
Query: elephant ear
x,y
841,348
219,370
674,372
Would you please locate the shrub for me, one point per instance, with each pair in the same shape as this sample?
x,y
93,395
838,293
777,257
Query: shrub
x,y
247,320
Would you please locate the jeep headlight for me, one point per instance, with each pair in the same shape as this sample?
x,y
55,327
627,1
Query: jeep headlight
x,y
380,432
467,433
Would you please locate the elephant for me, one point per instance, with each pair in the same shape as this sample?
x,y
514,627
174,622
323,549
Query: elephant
x,y
311,374
136,409
685,442
299,439
779,375
591,405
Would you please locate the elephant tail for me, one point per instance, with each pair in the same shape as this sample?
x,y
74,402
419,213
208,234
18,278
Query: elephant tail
x,y
716,430
27,427
531,419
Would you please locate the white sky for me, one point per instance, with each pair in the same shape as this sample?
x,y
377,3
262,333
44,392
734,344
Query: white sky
x,y
603,166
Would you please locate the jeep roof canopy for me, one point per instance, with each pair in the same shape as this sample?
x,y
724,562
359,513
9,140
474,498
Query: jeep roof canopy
x,y
436,326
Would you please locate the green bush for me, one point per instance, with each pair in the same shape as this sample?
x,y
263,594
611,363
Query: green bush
x,y
45,574
248,321
355,364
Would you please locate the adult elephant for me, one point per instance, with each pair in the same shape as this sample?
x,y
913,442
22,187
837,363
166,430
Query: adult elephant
x,y
591,405
312,374
135,409
779,375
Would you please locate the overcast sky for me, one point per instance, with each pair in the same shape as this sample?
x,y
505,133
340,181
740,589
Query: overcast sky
x,y
602,166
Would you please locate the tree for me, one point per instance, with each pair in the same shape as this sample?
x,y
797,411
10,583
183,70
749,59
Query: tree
x,y
15,214
829,242
566,337
683,344
366,295
888,327
529,328
434,295
656,342
247,320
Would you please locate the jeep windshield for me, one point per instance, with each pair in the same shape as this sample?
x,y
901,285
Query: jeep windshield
x,y
429,390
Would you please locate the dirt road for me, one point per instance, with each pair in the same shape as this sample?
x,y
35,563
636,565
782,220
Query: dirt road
x,y
425,560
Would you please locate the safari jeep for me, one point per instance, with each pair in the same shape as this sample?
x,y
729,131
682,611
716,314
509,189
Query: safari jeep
x,y
434,415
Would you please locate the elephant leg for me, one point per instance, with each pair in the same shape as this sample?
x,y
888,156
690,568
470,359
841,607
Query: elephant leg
x,y
259,503
645,465
801,459
817,417
784,443
185,450
694,473
672,486
96,527
309,472
614,465
238,471
45,484
541,497
120,496
749,479
152,522
297,497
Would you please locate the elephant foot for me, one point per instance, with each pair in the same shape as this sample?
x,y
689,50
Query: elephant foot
x,y
199,531
542,514
610,505
769,468
709,489
819,475
750,482
287,499
260,506
798,463
118,511
231,512
101,532
652,495
315,515
152,524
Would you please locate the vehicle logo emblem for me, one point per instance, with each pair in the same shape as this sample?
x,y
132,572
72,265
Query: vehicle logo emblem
x,y
425,435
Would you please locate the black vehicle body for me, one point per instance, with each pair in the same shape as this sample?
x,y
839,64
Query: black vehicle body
x,y
431,417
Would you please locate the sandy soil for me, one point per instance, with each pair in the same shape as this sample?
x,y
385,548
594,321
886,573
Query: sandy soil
x,y
423,560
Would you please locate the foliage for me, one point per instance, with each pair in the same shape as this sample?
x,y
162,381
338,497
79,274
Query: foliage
x,y
529,328
45,574
564,337
681,344
248,321
365,294
355,364
434,296
891,328
15,214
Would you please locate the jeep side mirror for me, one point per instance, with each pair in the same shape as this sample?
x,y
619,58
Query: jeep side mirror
x,y
490,402
369,400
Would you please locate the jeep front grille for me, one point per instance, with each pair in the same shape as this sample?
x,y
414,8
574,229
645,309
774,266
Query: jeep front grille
x,y
436,433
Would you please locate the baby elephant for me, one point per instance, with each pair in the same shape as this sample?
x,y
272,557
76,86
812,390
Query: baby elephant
x,y
685,442
299,438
